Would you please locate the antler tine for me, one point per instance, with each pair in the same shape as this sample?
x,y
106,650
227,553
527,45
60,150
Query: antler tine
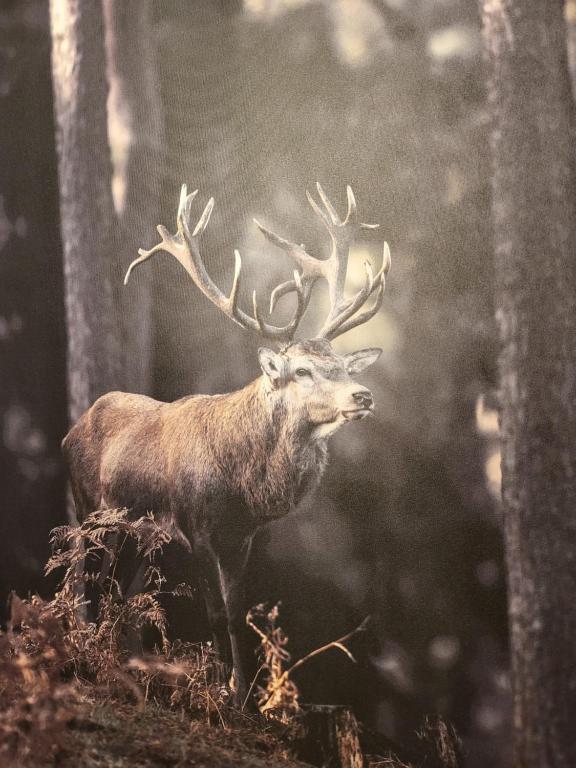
x,y
334,218
185,206
281,290
352,208
142,257
319,212
204,219
298,252
185,247
233,298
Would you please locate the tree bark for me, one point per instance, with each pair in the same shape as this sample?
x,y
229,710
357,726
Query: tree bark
x,y
86,206
535,236
135,125
329,737
32,365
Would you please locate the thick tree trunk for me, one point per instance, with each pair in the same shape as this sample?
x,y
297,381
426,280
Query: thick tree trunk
x,y
535,231
86,207
32,364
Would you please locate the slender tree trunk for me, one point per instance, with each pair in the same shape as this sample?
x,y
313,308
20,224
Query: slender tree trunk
x,y
535,232
86,206
135,123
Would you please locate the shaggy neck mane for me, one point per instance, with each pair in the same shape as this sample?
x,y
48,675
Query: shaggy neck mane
x,y
265,455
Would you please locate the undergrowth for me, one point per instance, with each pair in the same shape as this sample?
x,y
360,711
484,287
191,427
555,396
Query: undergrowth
x,y
60,673
52,659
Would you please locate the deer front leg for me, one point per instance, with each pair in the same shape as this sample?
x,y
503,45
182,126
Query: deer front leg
x,y
213,600
232,562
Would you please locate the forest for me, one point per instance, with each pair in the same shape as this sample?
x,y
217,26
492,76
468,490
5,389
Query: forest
x,y
410,605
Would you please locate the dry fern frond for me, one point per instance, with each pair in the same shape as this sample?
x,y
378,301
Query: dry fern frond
x,y
50,657
37,703
280,697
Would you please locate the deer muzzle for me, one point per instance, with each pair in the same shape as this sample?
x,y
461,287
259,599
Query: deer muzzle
x,y
364,402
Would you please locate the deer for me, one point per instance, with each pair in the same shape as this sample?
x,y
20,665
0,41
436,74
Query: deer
x,y
214,469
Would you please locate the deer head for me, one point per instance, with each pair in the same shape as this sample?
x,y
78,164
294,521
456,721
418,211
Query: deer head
x,y
316,383
310,374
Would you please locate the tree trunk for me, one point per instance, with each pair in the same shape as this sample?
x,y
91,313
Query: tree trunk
x,y
32,342
135,125
535,233
86,207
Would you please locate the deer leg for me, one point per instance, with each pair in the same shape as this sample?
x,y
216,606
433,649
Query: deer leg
x,y
106,573
100,566
232,565
215,607
136,585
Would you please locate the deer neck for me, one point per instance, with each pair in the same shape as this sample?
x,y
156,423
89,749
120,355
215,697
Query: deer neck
x,y
276,459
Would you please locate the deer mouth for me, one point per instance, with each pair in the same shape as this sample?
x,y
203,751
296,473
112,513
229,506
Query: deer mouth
x,y
357,414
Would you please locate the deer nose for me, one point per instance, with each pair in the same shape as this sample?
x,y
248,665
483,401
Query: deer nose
x,y
363,398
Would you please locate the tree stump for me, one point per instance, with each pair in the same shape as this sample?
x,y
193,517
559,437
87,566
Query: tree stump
x,y
328,737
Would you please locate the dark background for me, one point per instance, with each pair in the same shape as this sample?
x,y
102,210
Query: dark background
x,y
256,101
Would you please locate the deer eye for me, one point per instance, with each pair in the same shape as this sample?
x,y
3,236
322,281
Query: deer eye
x,y
301,372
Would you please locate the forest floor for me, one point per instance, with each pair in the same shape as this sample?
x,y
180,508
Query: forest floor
x,y
71,693
71,696
112,733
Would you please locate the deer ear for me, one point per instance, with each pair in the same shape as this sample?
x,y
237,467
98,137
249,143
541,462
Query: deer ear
x,y
271,364
356,362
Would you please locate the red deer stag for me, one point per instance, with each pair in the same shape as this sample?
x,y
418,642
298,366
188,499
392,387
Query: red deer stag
x,y
215,468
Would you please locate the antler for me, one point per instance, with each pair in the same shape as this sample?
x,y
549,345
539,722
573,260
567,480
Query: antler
x,y
343,312
185,247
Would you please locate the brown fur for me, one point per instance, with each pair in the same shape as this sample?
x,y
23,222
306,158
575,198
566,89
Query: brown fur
x,y
194,462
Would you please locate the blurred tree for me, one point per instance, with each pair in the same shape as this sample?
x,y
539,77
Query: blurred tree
x,y
205,100
135,127
86,205
535,235
32,338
